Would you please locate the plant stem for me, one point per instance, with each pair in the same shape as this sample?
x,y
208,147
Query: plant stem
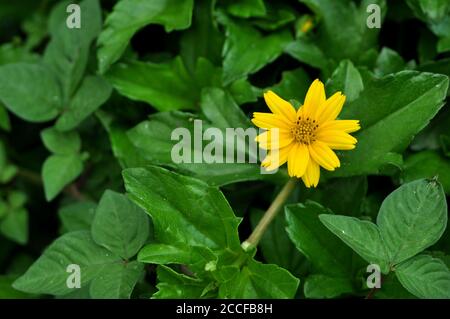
x,y
269,215
29,175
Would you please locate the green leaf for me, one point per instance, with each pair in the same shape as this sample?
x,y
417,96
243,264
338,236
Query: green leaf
x,y
388,62
164,254
120,225
68,51
412,218
7,170
77,216
427,164
58,171
257,280
117,281
321,286
362,236
246,8
15,52
172,285
276,247
431,137
425,277
203,38
154,142
246,50
91,22
436,15
219,107
278,15
342,195
184,210
124,151
354,37
243,92
92,93
7,291
48,275
15,226
391,111
128,16
62,143
199,259
166,86
293,85
37,98
314,240
391,288
348,79
306,51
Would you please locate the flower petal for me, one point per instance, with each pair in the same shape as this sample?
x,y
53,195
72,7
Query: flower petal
x,y
279,106
274,138
347,126
269,120
335,137
312,174
276,158
341,147
315,97
324,156
298,160
331,108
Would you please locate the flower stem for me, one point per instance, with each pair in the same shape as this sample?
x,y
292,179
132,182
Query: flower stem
x,y
269,215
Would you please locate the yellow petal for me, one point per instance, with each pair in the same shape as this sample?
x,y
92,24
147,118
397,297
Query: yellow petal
x,y
341,147
315,97
269,120
312,174
335,137
298,160
331,108
274,139
324,156
347,126
276,158
279,106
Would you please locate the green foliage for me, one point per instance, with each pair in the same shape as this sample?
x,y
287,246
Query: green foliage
x,y
411,219
117,172
129,16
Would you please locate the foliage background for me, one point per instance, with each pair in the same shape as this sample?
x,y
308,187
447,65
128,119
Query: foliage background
x,y
86,117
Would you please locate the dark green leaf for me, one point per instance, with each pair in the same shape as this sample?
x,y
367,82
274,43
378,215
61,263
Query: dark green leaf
x,y
412,218
425,277
62,143
362,236
117,281
92,93
128,16
37,98
315,241
120,225
321,286
49,273
184,210
58,171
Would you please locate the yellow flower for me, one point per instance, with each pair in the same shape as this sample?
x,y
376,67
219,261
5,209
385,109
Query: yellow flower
x,y
306,138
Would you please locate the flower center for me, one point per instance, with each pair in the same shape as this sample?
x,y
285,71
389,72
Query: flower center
x,y
304,130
